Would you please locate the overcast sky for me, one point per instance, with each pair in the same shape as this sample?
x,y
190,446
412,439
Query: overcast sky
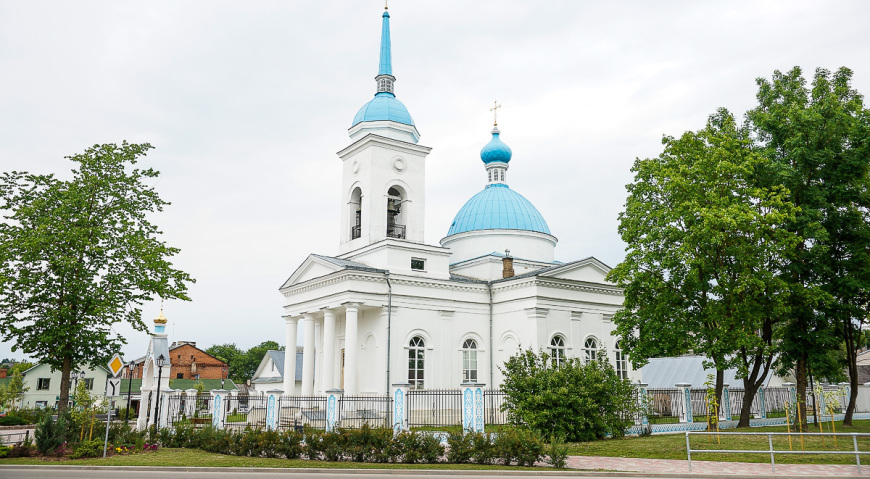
x,y
248,102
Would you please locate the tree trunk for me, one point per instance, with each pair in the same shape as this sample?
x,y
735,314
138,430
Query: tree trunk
x,y
800,374
852,364
749,392
713,416
65,369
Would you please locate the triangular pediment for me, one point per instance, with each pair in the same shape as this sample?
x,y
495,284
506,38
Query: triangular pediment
x,y
589,270
313,267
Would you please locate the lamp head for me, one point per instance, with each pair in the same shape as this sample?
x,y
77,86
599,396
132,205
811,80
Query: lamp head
x,y
160,361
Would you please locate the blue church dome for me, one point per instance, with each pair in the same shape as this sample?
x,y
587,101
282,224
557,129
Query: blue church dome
x,y
495,150
498,207
383,107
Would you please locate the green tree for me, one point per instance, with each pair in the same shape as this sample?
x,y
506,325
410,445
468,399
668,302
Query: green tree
x,y
704,245
242,364
818,139
578,402
230,354
79,255
13,390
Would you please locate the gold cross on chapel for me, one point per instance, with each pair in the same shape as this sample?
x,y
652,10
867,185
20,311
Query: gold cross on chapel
x,y
494,110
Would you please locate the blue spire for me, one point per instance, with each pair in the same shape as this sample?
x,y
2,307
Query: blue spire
x,y
386,65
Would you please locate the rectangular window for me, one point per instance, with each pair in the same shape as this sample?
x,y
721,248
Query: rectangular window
x,y
418,264
89,383
469,366
42,384
179,376
41,404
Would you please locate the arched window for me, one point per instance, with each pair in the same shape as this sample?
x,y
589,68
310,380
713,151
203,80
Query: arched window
x,y
395,220
557,350
621,361
590,349
469,361
416,353
355,214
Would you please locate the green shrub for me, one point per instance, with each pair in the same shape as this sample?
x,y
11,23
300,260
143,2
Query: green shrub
x,y
431,449
4,450
88,449
557,453
580,402
460,447
483,448
14,418
290,444
48,436
313,443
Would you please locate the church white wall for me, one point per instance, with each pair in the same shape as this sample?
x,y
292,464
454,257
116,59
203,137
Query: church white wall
x,y
528,245
396,255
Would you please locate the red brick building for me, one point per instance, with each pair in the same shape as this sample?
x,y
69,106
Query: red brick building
x,y
188,362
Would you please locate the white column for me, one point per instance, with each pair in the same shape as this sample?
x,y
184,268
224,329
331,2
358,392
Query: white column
x,y
327,380
318,356
308,355
290,356
351,347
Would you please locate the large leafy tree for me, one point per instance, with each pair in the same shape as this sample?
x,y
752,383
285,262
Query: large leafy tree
x,y
818,139
704,244
79,255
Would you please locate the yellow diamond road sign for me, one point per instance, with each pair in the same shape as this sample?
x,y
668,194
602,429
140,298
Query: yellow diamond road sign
x,y
115,364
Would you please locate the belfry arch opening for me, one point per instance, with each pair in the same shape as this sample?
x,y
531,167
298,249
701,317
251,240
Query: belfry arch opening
x,y
355,207
396,222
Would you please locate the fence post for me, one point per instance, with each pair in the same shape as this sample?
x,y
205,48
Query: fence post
x,y
847,390
218,408
725,407
190,403
400,407
333,408
643,397
273,397
686,397
472,407
165,405
762,404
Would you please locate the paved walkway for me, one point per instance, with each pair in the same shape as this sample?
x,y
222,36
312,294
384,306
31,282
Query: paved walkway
x,y
670,466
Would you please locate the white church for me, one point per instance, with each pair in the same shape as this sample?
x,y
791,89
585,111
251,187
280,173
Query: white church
x,y
389,308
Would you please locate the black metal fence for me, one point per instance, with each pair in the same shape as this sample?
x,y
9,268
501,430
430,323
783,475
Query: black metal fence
x,y
666,405
434,408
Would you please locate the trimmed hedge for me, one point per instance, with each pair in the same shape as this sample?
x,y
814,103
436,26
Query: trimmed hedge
x,y
378,445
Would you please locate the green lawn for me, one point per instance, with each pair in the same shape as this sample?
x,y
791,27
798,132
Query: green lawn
x,y
673,446
197,458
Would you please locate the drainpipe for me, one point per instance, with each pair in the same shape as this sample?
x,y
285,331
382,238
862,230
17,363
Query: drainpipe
x,y
389,321
491,372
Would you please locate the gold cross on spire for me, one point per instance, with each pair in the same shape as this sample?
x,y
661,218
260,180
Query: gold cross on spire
x,y
386,7
494,110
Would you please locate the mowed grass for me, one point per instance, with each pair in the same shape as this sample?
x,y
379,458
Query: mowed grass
x,y
168,457
673,446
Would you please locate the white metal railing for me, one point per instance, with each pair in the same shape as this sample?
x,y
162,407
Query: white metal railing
x,y
773,451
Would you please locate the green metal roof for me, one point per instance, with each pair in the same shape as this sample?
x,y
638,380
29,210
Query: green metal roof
x,y
182,384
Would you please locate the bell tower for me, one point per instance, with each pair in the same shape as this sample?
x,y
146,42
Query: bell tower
x,y
384,169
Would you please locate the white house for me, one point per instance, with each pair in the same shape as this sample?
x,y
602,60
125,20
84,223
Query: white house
x,y
44,384
270,373
389,308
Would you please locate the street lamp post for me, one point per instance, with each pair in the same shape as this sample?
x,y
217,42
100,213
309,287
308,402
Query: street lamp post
x,y
76,377
160,362
129,389
223,376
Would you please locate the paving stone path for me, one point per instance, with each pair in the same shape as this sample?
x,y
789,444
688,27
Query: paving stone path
x,y
670,466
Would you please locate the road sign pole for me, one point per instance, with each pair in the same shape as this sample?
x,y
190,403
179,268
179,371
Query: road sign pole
x,y
108,421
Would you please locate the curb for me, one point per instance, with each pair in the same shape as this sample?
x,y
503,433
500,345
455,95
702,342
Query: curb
x,y
414,472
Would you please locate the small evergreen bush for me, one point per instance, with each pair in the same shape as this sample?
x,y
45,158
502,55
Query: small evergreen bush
x,y
88,449
48,436
460,447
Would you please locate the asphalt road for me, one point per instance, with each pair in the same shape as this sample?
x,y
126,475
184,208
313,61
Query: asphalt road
x,y
64,472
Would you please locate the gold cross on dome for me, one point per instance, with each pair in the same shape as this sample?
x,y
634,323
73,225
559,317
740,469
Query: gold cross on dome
x,y
494,110
386,7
